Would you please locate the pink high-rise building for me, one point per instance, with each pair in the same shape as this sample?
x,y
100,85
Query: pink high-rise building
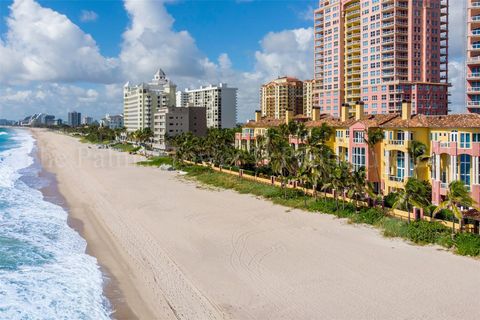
x,y
473,56
382,52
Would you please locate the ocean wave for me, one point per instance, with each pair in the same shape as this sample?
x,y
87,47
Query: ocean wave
x,y
44,270
3,133
15,159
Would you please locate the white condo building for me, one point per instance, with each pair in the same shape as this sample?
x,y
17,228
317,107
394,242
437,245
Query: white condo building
x,y
112,121
220,103
143,100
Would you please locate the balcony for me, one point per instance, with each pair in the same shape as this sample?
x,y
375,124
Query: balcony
x,y
397,142
473,60
475,75
474,5
396,178
473,90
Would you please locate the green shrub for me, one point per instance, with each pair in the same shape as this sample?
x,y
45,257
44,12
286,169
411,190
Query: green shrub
x,y
467,244
424,232
390,199
368,216
394,228
445,214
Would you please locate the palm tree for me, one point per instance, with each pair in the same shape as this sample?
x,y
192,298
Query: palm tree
x,y
258,153
418,152
279,163
413,195
457,195
374,136
339,180
324,132
359,185
303,177
239,157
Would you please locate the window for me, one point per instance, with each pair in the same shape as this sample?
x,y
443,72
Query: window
x,y
476,137
400,165
453,136
358,158
358,136
464,140
465,164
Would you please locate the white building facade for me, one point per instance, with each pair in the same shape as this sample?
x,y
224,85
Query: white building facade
x,y
219,101
143,100
112,121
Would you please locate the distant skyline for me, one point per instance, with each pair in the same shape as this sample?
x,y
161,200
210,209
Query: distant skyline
x,y
57,56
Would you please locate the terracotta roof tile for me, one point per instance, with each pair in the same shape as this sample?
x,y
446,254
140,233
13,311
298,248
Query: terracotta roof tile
x,y
264,123
466,120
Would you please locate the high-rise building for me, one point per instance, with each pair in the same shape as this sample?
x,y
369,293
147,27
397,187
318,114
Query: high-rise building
x,y
473,56
172,121
381,52
87,120
220,102
182,99
74,119
280,95
143,100
308,97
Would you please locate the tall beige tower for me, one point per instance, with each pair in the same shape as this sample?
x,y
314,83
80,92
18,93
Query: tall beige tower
x,y
142,101
280,95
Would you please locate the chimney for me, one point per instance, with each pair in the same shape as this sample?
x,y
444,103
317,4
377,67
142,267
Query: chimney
x,y
258,115
315,113
406,110
344,112
359,110
288,116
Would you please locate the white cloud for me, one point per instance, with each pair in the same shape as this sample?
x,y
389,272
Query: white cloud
x,y
58,99
88,16
44,45
150,42
307,14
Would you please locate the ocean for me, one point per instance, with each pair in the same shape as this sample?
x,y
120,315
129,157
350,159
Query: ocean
x,y
45,272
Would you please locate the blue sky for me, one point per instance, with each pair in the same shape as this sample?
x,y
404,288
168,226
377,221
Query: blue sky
x,y
61,55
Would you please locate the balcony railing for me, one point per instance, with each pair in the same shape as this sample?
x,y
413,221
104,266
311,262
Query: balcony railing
x,y
397,142
396,178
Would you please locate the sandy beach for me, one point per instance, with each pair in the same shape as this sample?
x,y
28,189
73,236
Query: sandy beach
x,y
177,250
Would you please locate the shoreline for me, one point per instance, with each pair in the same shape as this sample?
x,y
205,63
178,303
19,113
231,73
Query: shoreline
x,y
111,288
183,251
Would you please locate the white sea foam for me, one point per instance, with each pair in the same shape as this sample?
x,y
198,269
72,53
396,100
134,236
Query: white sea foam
x,y
3,133
52,277
13,160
